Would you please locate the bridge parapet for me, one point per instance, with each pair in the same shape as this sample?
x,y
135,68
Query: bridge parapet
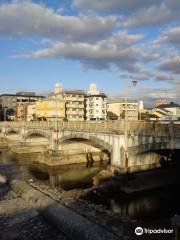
x,y
116,127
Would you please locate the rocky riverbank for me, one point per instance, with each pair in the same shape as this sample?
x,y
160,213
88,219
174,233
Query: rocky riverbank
x,y
17,211
23,219
18,221
123,227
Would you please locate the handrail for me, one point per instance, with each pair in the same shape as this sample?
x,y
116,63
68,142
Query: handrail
x,y
117,127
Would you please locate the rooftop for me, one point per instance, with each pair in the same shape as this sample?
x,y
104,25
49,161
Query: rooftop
x,y
97,95
122,101
81,92
169,105
20,95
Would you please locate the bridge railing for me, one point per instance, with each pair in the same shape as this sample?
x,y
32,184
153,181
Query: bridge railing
x,y
116,127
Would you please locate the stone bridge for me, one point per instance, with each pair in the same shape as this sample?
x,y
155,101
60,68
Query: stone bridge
x,y
142,136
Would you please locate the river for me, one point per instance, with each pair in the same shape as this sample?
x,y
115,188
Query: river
x,y
151,206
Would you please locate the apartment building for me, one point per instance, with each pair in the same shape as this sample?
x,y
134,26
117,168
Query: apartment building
x,y
31,112
74,102
50,109
95,104
172,108
118,107
75,110
10,102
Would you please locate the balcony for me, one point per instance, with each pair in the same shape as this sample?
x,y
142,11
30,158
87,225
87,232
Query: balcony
x,y
75,112
73,105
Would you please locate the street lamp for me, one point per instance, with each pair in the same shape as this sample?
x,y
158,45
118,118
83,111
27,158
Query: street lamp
x,y
56,122
5,116
134,83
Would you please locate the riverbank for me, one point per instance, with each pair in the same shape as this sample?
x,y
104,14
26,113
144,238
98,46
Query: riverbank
x,y
69,199
78,200
18,221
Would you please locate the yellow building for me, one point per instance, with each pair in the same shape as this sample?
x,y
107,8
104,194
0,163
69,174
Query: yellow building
x,y
50,109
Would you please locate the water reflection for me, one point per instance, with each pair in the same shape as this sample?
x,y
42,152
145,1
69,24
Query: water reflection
x,y
154,205
66,176
134,208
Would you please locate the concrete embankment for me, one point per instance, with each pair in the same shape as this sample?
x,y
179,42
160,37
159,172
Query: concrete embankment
x,y
71,223
145,181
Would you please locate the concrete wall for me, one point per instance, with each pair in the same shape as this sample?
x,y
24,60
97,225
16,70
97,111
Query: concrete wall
x,y
144,161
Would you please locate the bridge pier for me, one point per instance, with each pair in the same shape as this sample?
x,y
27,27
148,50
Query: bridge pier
x,y
22,133
116,152
3,132
54,143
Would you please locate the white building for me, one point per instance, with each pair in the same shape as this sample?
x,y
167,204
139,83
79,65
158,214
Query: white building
x,y
173,108
95,104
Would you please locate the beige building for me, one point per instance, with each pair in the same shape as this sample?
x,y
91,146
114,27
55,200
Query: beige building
x,y
26,112
74,105
50,109
31,112
74,100
20,113
118,107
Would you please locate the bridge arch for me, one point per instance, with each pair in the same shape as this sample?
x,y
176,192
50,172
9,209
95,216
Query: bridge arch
x,y
151,147
98,141
12,130
36,132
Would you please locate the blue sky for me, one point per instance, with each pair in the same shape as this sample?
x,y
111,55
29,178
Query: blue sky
x,y
76,42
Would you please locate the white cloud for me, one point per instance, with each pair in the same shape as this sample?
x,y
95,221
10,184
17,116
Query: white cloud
x,y
171,65
87,51
171,35
27,18
112,5
96,41
151,94
137,13
164,77
156,14
119,49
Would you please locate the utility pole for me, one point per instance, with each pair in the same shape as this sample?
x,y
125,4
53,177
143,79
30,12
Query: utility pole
x,y
5,110
24,113
126,154
56,123
126,127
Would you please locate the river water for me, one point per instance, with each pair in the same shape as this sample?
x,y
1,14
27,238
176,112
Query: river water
x,y
66,176
155,205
